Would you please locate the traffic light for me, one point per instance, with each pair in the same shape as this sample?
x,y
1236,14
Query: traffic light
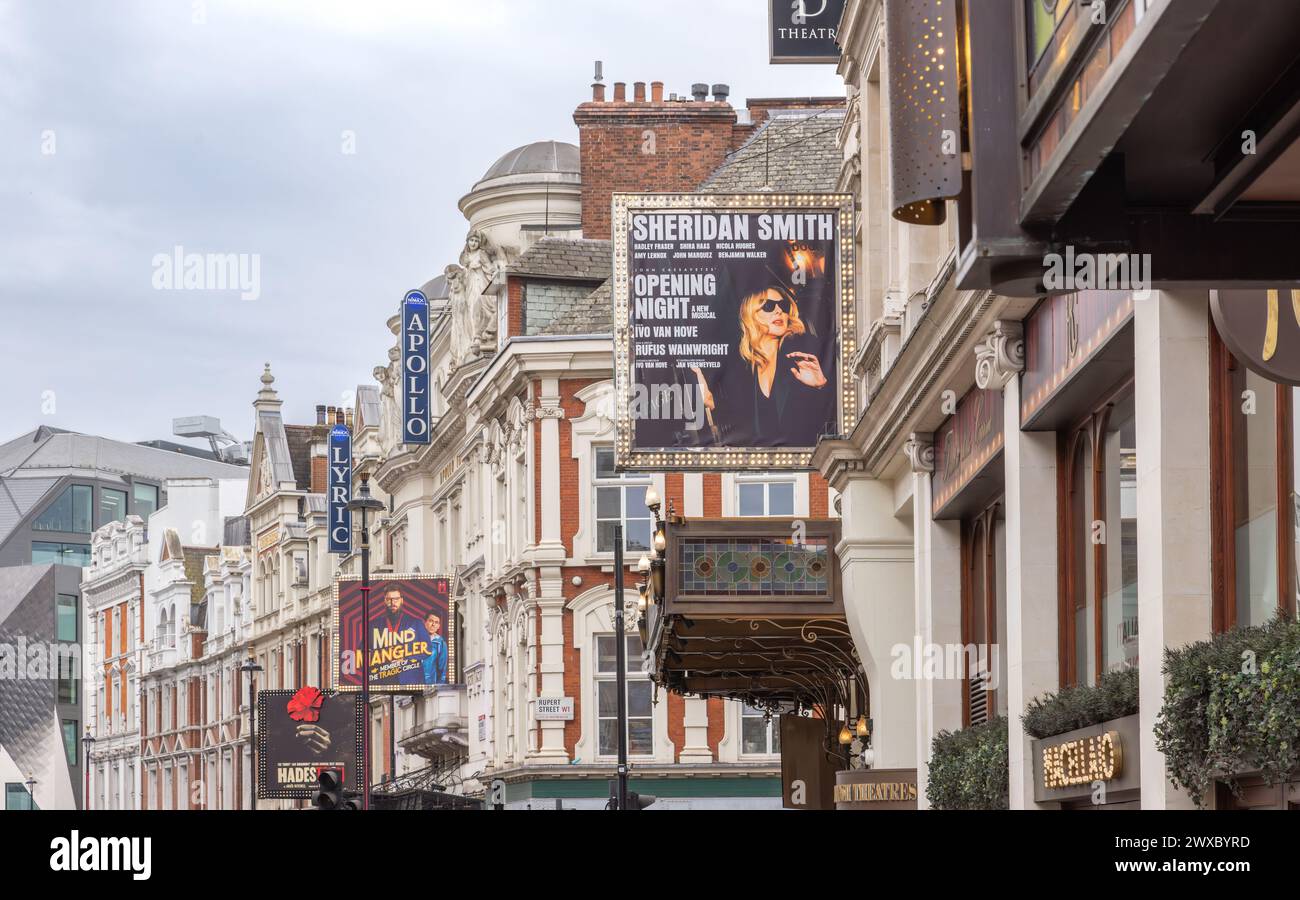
x,y
639,801
329,791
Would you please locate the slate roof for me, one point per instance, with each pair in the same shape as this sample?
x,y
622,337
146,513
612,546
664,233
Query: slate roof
x,y
235,533
594,315
368,413
577,259
67,451
299,438
793,150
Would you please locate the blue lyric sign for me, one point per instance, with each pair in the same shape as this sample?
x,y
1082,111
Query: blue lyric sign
x,y
340,489
415,368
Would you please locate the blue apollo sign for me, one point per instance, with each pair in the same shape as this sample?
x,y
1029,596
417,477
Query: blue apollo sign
x,y
340,489
415,368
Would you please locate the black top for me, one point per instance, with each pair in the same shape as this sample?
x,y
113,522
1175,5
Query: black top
x,y
793,415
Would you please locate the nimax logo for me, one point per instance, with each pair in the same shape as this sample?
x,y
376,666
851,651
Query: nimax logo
x,y
105,854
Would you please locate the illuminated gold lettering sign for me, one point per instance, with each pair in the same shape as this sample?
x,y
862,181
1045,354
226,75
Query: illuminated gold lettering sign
x,y
876,792
1083,761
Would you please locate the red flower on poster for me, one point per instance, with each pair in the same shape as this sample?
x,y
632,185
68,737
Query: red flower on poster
x,y
304,706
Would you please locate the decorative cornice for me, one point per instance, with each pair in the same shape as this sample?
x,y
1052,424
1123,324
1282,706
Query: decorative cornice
x,y
546,410
1000,356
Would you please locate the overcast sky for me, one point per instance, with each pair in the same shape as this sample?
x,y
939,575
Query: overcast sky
x,y
129,128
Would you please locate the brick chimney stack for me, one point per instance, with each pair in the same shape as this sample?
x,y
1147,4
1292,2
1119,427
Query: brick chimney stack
x,y
648,144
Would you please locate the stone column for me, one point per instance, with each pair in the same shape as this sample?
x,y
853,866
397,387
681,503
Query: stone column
x,y
695,748
549,554
875,552
1032,655
1171,384
937,551
551,650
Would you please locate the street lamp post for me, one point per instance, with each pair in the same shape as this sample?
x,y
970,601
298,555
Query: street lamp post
x,y
250,669
620,665
87,741
31,791
365,504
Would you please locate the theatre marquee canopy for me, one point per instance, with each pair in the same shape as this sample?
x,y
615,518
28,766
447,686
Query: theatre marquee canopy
x,y
751,610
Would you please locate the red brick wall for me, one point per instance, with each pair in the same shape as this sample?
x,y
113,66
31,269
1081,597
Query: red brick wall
x,y
717,725
572,683
712,495
319,474
570,509
689,141
677,724
674,493
819,505
514,306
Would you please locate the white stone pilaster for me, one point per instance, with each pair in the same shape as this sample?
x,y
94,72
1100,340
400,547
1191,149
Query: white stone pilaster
x,y
1171,384
875,553
695,749
937,550
1031,651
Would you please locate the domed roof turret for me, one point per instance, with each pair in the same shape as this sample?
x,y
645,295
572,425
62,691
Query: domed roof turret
x,y
538,158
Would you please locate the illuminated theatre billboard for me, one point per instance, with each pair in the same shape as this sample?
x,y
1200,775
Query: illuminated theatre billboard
x,y
412,641
733,328
301,732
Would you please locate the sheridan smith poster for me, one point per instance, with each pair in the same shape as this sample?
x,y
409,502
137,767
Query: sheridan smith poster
x,y
731,313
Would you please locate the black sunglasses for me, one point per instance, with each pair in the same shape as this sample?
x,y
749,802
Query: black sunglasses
x,y
773,304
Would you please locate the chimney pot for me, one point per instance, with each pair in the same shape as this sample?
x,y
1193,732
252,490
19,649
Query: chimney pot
x,y
657,91
320,415
721,92
638,92
338,416
700,91
598,92
620,91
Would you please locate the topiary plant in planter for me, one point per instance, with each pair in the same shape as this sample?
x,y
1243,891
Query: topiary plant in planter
x,y
968,768
1232,706
1114,696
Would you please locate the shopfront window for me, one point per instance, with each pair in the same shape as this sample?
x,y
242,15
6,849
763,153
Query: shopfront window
x,y
1100,622
1253,488
984,605
1119,608
640,710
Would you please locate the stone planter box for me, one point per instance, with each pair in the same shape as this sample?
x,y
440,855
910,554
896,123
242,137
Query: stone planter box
x,y
1070,767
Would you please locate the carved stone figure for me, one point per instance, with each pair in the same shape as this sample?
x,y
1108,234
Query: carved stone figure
x,y
389,406
481,261
459,300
